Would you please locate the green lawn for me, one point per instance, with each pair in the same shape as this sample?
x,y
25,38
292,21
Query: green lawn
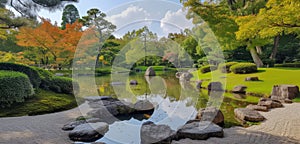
x,y
43,102
268,77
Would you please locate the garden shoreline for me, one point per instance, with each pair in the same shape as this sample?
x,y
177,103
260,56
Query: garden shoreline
x,y
281,126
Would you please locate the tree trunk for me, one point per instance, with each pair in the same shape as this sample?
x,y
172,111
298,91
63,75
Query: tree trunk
x,y
258,50
256,58
275,47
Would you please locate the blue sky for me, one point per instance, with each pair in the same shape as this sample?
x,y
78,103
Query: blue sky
x,y
161,16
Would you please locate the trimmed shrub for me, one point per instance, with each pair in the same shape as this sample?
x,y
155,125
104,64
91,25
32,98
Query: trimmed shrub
x,y
29,71
45,76
225,68
243,68
296,65
62,85
14,87
208,68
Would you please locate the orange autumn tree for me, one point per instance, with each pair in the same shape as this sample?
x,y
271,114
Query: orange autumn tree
x,y
51,40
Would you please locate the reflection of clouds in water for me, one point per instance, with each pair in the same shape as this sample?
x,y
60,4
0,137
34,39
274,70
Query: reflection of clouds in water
x,y
174,114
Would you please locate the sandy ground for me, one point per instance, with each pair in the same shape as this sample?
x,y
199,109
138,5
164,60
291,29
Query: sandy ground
x,y
282,126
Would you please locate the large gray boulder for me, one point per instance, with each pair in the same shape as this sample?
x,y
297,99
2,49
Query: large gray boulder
x,y
211,114
246,114
285,91
200,131
150,72
88,132
152,133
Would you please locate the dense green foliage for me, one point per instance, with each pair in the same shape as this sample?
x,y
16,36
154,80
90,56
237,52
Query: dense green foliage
x,y
225,68
29,71
42,102
243,68
208,68
296,65
62,85
14,87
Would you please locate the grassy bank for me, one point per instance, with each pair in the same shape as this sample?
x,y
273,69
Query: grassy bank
x,y
268,78
42,103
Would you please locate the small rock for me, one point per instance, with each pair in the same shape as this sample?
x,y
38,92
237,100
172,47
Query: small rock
x,y
288,101
143,105
239,89
211,114
251,79
152,133
150,72
88,132
200,131
246,114
133,82
72,125
257,107
178,74
199,84
186,76
215,86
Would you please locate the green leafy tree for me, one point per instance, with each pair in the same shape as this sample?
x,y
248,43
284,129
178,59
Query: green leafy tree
x,y
273,21
96,19
70,15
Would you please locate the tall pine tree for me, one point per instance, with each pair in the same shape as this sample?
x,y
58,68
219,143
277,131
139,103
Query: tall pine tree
x,y
69,16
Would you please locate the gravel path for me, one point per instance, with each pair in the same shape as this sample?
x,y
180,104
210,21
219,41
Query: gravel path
x,y
42,129
282,126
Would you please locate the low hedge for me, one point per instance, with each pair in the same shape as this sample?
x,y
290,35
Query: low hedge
x,y
296,65
208,68
14,87
45,76
243,68
225,68
29,71
62,85
102,71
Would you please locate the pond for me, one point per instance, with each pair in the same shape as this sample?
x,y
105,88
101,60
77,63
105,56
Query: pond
x,y
168,95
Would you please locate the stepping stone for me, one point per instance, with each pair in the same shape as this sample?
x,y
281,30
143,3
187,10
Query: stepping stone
x,y
88,132
246,114
152,133
257,107
200,131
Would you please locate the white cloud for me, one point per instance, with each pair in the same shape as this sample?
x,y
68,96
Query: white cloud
x,y
175,21
128,16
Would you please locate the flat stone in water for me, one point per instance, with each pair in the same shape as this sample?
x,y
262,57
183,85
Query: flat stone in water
x,y
200,131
